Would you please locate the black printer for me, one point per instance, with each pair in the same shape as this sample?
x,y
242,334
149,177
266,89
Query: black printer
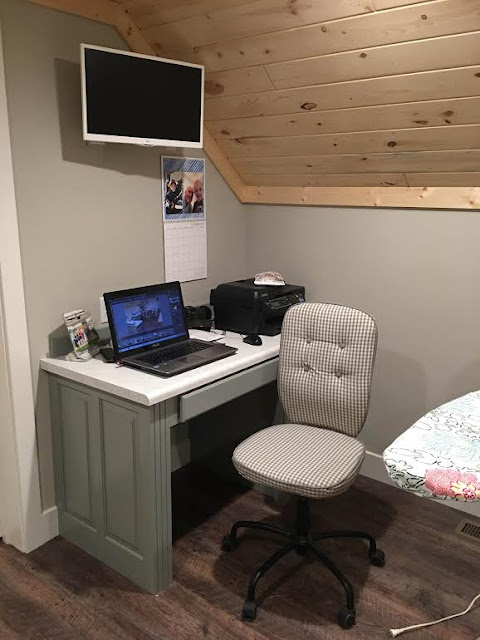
x,y
245,307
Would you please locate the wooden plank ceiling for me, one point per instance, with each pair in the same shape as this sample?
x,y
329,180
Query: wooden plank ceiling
x,y
332,92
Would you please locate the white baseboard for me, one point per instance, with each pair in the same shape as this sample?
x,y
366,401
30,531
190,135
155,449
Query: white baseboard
x,y
44,528
50,517
374,467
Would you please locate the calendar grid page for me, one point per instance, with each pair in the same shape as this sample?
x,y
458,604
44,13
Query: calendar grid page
x,y
185,250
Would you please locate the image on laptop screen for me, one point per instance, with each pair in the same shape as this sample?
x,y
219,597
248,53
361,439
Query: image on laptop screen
x,y
146,318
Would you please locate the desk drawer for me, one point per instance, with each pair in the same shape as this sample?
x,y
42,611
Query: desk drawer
x,y
213,395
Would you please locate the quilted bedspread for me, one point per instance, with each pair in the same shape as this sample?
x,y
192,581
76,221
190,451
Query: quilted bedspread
x,y
439,456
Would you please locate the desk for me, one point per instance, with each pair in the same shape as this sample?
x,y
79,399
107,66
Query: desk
x,y
111,449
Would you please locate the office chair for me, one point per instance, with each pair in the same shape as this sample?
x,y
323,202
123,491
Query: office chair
x,y
326,361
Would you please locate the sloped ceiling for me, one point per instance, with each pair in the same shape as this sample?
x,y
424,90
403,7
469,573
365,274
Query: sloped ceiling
x,y
325,102
332,92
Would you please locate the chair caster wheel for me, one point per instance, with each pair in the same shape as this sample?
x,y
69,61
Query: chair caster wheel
x,y
229,543
302,551
377,558
249,611
346,618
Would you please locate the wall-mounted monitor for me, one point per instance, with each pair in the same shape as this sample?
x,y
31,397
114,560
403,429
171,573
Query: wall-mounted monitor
x,y
137,99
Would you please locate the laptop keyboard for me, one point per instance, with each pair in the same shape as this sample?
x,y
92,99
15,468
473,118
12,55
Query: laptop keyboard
x,y
177,351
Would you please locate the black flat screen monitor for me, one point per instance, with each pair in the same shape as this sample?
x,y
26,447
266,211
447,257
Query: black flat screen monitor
x,y
137,99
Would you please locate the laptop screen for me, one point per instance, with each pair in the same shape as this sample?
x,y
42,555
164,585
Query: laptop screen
x,y
146,316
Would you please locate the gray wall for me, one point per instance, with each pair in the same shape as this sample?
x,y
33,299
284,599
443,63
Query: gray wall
x,y
417,272
89,216
90,221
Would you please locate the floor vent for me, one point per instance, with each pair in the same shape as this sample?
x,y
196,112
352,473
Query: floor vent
x,y
469,529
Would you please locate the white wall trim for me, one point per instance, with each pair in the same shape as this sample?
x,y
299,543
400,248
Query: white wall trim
x,y
24,525
374,467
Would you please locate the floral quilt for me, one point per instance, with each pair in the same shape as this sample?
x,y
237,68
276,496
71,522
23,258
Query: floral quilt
x,y
439,456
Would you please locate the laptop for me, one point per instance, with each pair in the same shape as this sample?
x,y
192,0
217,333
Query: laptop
x,y
149,331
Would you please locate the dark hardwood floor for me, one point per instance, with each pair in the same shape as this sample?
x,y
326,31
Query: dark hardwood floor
x,y
59,592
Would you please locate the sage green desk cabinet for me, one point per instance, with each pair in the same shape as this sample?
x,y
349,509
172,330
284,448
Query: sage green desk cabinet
x,y
112,479
112,455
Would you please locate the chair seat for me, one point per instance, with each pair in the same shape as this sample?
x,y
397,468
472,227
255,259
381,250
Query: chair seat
x,y
308,461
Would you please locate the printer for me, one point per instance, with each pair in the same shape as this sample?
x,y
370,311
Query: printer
x,y
245,307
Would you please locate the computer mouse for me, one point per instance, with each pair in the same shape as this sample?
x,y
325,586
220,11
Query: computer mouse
x,y
253,339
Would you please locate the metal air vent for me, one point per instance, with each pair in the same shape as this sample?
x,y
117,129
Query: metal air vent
x,y
469,529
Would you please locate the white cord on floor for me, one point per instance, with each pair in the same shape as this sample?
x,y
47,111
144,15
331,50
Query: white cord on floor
x,y
397,632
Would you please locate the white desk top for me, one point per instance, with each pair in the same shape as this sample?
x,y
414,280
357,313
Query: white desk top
x,y
148,389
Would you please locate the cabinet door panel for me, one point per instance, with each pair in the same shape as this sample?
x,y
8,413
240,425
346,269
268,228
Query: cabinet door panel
x,y
127,445
75,442
120,473
105,450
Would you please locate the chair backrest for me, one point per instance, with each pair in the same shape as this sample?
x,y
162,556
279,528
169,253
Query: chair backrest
x,y
327,354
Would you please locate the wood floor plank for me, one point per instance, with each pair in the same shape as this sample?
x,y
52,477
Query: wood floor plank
x,y
22,610
58,592
6,633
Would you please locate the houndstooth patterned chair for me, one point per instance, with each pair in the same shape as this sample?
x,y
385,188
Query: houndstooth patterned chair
x,y
326,361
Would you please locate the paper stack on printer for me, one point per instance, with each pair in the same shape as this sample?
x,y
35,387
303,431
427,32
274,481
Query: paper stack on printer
x,y
269,278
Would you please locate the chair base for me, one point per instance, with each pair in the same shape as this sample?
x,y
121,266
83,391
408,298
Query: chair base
x,y
302,542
